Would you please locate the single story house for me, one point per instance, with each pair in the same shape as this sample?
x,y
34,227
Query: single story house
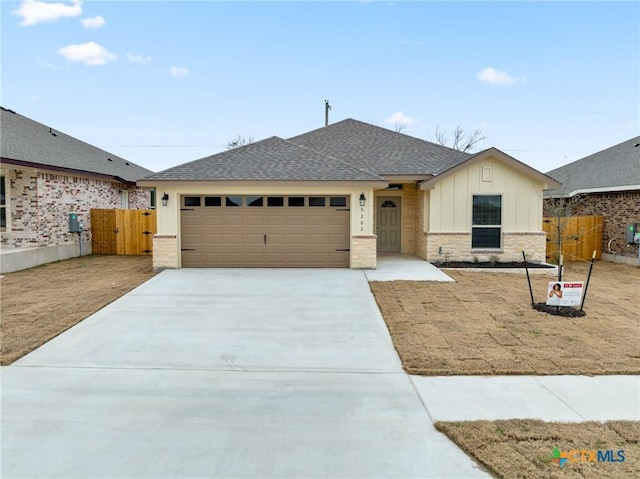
x,y
46,175
607,184
340,195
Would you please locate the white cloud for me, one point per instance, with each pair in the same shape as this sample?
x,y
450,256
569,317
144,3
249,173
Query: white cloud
x,y
494,77
138,58
89,53
400,119
93,22
34,12
178,72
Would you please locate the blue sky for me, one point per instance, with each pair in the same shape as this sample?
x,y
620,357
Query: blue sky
x,y
165,82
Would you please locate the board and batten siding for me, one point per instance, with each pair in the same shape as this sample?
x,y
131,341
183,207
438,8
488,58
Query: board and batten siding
x,y
450,201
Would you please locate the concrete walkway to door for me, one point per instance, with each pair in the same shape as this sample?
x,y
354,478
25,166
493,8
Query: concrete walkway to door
x,y
224,373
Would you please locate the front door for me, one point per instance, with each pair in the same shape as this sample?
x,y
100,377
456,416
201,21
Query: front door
x,y
388,223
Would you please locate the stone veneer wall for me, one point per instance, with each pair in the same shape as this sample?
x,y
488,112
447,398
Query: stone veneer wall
x,y
618,209
40,203
457,247
363,252
165,252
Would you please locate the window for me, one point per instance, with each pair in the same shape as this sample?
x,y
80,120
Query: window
x,y
275,201
192,201
3,203
388,204
486,221
152,201
338,201
316,200
296,201
255,201
213,201
233,201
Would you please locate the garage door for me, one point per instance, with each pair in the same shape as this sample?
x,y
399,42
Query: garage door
x,y
265,231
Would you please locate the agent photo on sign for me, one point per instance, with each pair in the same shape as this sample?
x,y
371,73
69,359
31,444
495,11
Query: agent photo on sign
x,y
555,294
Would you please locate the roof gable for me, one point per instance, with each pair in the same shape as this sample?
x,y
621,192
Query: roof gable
x,y
613,169
29,143
492,153
270,160
379,149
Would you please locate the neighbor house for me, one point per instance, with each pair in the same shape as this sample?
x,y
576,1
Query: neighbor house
x,y
605,184
340,195
45,176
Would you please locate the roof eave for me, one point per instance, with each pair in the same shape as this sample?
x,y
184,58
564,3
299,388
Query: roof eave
x,y
40,166
584,191
283,182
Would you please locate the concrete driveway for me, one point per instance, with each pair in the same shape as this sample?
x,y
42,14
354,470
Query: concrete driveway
x,y
224,373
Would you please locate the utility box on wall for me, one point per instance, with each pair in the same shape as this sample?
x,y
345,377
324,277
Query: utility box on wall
x,y
74,223
632,229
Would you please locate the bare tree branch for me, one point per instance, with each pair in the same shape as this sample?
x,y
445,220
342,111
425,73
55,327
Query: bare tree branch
x,y
238,142
460,139
399,127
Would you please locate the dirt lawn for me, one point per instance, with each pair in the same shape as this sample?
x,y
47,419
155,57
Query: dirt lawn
x,y
483,324
524,448
38,304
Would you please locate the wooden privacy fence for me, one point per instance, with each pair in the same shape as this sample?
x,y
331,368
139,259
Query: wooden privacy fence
x,y
580,236
122,231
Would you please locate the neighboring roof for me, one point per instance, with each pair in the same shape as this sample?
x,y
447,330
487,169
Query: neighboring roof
x,y
493,153
614,169
28,143
381,150
270,159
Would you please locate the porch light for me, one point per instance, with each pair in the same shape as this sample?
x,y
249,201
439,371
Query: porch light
x,y
165,199
363,200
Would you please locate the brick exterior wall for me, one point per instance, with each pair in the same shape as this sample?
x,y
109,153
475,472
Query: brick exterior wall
x,y
165,252
618,210
363,252
40,203
408,222
457,247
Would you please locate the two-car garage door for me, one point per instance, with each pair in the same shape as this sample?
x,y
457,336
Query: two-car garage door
x,y
265,231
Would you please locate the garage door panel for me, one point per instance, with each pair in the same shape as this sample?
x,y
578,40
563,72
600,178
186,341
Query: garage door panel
x,y
275,220
235,237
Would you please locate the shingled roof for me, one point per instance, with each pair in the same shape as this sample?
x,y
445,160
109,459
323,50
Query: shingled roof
x,y
270,159
381,150
613,169
25,142
348,150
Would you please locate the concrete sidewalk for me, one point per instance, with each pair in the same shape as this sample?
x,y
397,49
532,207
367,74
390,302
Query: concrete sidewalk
x,y
550,398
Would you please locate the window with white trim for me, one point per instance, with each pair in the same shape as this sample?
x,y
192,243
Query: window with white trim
x,y
486,229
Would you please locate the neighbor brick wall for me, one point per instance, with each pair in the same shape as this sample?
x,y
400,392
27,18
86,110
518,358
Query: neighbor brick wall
x,y
165,252
618,210
40,203
363,251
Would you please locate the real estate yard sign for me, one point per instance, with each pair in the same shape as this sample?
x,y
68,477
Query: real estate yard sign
x,y
564,293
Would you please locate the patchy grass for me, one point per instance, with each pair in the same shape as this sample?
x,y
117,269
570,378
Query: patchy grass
x,y
40,303
483,324
523,448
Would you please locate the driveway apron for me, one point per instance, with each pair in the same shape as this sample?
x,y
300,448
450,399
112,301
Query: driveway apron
x,y
224,373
